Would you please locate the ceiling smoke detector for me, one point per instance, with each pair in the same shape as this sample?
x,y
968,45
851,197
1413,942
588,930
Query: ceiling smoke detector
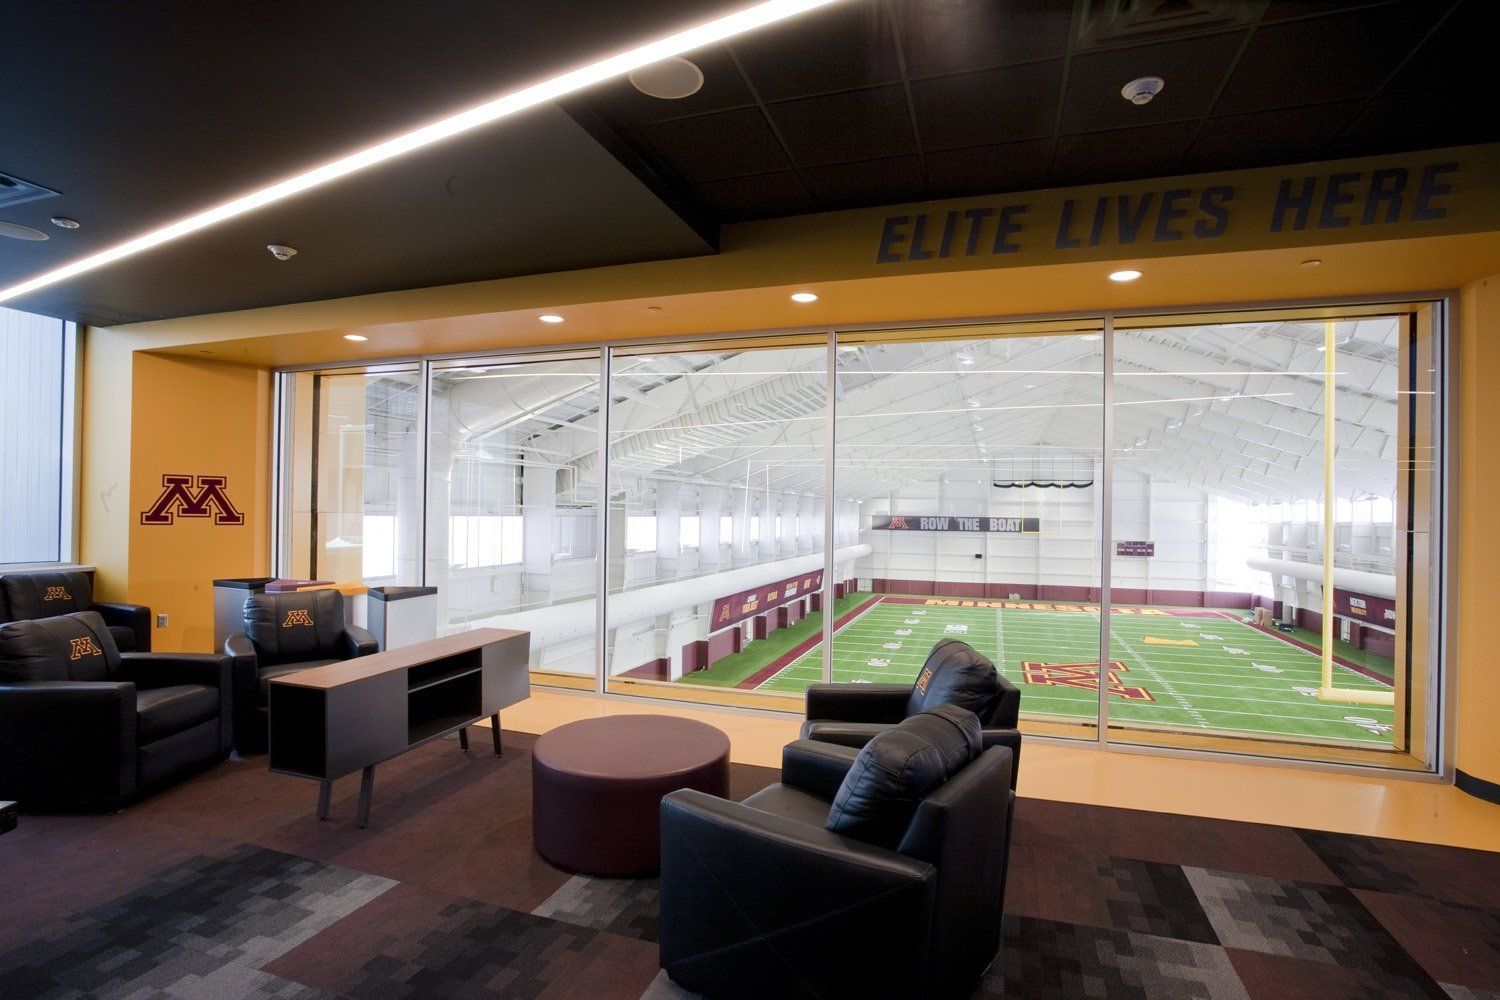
x,y
670,80
1141,91
281,252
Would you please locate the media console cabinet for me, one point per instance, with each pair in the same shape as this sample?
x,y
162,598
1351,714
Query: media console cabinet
x,y
330,721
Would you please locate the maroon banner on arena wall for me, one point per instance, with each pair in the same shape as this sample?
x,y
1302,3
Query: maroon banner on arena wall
x,y
1375,610
737,607
918,522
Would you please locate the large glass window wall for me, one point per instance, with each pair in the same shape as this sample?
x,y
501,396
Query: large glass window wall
x,y
1214,532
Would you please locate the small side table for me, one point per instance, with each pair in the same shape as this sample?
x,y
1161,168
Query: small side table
x,y
9,812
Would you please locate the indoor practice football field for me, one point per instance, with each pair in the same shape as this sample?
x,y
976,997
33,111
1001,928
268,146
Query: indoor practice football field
x,y
1179,668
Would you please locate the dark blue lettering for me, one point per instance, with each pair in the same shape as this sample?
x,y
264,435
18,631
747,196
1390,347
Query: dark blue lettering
x,y
945,245
890,235
918,230
1422,209
1386,187
1170,213
1008,225
1096,231
1064,223
976,217
1211,204
1130,222
1335,198
1300,203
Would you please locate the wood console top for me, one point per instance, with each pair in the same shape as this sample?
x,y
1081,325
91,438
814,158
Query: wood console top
x,y
348,671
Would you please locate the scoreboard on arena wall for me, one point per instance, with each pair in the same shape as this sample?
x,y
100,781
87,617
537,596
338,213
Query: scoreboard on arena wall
x,y
1137,548
998,525
736,608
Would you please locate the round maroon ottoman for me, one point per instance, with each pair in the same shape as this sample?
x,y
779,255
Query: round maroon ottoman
x,y
596,788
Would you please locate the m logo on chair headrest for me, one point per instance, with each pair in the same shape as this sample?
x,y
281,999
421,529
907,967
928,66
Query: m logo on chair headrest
x,y
924,679
82,647
57,594
297,617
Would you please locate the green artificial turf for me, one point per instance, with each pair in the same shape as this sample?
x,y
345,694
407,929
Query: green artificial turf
x,y
734,668
1234,679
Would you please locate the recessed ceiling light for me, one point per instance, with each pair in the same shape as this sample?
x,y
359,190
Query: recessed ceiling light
x,y
973,402
670,80
500,107
356,337
15,231
550,318
804,297
1125,275
281,251
1311,262
1092,337
63,222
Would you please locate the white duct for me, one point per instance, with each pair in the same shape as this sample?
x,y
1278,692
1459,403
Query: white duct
x,y
1358,581
562,623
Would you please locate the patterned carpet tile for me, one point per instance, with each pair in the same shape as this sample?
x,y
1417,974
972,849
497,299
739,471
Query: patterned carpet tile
x,y
1279,977
413,942
629,907
1304,920
1447,873
1455,944
1048,960
203,928
1252,848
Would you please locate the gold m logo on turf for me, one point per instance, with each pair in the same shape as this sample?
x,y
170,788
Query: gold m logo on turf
x,y
1084,676
57,594
83,647
192,496
297,618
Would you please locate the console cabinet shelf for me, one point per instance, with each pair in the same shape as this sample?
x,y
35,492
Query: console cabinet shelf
x,y
331,721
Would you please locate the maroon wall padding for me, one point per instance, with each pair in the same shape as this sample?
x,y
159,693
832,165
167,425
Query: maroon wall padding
x,y
659,669
720,645
1055,592
838,591
1002,591
972,590
802,608
1181,598
788,614
1226,599
762,625
817,600
694,656
1310,620
1380,644
1127,595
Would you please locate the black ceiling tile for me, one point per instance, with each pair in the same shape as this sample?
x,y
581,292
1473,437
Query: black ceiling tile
x,y
1420,119
1325,58
1192,68
842,128
764,196
888,181
1012,166
1459,53
990,106
712,147
1121,155
623,106
957,36
843,47
1263,138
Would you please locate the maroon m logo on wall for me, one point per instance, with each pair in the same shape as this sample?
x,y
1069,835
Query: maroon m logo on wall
x,y
192,496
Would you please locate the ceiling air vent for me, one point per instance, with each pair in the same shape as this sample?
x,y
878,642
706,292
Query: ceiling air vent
x,y
14,191
1108,23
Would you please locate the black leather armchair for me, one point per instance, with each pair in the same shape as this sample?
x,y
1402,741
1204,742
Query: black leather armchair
x,y
30,596
758,899
285,633
954,673
83,726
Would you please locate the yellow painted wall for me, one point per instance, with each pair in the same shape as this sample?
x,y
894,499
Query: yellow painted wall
x,y
1475,542
195,418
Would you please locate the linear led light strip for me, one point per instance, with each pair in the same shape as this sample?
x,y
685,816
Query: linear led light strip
x,y
504,106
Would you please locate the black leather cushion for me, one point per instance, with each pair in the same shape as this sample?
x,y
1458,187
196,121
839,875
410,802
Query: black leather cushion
x,y
296,626
281,670
163,712
124,638
897,769
76,647
42,595
955,674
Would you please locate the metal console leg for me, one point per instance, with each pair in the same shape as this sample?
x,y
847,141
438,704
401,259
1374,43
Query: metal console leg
x,y
325,792
366,790
463,738
495,731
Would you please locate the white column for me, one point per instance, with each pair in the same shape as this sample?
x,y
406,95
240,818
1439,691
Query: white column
x,y
710,510
538,526
668,529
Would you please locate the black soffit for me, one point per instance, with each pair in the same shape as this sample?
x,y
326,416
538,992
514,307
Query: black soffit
x,y
140,114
